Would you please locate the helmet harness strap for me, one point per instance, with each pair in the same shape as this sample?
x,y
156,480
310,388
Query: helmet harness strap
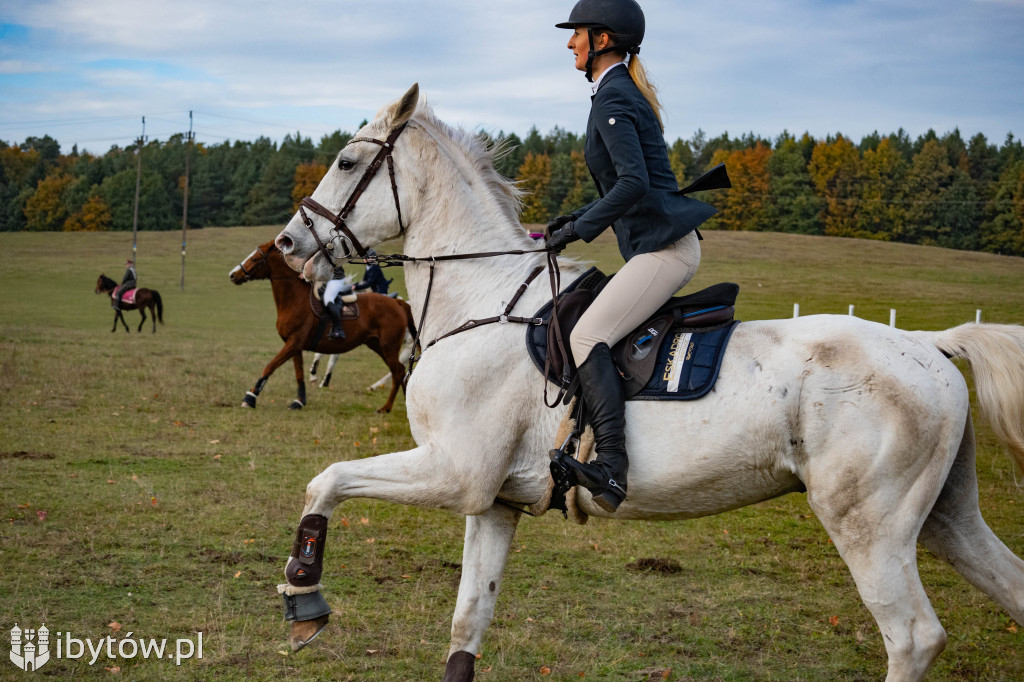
x,y
592,53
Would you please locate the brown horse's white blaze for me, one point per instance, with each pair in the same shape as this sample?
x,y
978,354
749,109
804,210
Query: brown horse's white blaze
x,y
873,422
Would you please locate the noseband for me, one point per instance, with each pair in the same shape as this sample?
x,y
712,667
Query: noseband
x,y
387,147
256,263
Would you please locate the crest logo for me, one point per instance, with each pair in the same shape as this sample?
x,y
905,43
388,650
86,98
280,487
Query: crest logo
x,y
30,649
309,546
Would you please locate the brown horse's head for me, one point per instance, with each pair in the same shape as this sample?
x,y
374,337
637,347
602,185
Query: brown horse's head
x,y
257,265
104,285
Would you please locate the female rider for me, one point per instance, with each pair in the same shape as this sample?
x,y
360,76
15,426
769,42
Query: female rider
x,y
654,224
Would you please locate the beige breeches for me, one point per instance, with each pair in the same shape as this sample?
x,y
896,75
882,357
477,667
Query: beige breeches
x,y
637,290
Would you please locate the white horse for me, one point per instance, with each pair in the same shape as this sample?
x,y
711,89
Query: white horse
x,y
873,422
332,360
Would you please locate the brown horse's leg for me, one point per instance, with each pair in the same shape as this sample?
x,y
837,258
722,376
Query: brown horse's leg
x,y
390,357
142,311
282,355
300,401
119,315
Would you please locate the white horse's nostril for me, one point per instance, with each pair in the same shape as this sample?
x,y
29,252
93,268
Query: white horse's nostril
x,y
284,244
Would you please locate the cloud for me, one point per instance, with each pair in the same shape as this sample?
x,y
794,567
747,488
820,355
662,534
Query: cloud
x,y
823,66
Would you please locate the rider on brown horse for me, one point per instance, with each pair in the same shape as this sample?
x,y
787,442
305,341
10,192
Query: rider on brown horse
x,y
337,288
129,281
340,286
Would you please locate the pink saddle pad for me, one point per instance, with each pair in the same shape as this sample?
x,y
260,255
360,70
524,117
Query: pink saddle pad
x,y
128,298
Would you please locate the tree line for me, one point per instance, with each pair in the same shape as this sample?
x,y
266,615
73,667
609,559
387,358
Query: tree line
x,y
935,190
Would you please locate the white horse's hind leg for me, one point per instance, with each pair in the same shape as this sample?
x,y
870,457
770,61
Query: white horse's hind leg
x,y
876,535
379,383
488,539
331,362
956,531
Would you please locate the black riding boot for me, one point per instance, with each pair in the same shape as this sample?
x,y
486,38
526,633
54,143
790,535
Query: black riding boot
x,y
605,403
334,310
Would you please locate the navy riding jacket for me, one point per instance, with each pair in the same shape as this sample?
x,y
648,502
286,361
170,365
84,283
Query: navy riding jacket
x,y
628,159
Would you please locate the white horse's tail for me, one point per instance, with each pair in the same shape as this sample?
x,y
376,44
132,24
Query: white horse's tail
x,y
996,355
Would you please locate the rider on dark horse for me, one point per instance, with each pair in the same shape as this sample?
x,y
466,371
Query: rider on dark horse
x,y
129,281
340,287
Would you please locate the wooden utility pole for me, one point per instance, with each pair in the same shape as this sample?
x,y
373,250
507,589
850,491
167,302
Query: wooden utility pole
x,y
184,210
138,181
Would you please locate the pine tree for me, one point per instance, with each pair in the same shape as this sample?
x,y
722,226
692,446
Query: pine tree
x,y
792,206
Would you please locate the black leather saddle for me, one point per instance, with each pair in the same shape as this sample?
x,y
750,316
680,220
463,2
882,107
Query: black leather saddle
x,y
636,354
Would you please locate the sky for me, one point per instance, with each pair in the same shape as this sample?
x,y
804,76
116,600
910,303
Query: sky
x,y
86,71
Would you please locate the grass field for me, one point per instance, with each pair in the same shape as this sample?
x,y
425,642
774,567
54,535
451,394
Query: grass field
x,y
138,497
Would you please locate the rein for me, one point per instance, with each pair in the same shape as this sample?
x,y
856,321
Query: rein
x,y
504,318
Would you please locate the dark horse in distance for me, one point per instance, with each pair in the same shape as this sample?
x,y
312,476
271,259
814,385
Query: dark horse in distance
x,y
382,324
141,300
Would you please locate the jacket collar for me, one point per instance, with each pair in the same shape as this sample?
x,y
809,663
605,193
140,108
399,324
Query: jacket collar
x,y
610,71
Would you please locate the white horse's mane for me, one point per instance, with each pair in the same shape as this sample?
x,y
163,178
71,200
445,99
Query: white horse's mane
x,y
476,153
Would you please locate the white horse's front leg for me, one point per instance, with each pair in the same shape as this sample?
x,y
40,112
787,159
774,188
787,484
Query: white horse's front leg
x,y
423,477
488,539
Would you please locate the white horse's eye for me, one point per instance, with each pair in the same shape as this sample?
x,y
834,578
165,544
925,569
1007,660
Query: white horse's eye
x,y
345,165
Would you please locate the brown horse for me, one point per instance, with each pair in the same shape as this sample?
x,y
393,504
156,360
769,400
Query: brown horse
x,y
382,324
144,298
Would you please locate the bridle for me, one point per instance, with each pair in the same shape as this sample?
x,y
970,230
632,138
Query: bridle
x,y
387,148
346,237
261,262
256,263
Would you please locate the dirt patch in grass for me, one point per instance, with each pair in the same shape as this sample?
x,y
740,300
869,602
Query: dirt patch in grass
x,y
24,454
664,566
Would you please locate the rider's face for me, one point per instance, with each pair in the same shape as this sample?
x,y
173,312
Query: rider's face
x,y
579,43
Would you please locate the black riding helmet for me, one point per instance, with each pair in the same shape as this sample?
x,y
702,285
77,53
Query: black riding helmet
x,y
622,18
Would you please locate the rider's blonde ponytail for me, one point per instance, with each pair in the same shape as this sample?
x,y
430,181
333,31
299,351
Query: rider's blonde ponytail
x,y
647,89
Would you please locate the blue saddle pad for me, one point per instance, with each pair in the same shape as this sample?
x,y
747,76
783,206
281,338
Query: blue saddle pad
x,y
688,364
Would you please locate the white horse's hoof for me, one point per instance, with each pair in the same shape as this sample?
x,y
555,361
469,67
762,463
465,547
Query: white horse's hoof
x,y
305,631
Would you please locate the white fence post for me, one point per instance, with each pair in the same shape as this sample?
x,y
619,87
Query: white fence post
x,y
977,317
892,317
851,311
796,310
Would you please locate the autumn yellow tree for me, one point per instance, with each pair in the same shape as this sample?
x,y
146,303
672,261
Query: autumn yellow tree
x,y
835,170
882,209
93,216
45,209
307,177
578,194
534,178
745,206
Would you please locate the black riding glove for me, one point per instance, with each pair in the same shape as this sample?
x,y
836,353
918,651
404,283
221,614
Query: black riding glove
x,y
562,236
556,223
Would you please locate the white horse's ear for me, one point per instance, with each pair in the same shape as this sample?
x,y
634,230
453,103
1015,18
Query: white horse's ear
x,y
401,111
